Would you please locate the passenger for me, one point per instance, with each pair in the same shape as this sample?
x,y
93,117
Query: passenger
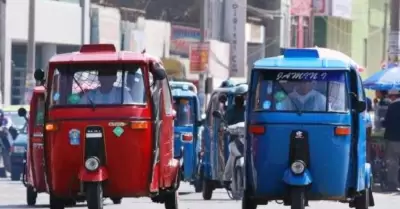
x,y
392,135
236,113
107,93
305,98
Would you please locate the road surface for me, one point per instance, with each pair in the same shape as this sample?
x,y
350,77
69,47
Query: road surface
x,y
12,195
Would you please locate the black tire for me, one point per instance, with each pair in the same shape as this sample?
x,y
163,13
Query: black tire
x,y
171,200
298,198
362,201
116,200
15,174
69,203
3,172
247,202
31,196
56,202
94,195
207,190
198,184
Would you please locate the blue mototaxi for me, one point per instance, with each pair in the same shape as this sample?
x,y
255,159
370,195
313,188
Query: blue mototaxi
x,y
187,131
306,132
215,142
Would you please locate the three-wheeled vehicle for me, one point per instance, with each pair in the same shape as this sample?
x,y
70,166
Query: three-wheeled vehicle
x,y
33,176
187,132
306,131
226,108
108,128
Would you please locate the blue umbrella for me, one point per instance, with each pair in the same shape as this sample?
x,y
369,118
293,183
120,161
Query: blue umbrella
x,y
384,80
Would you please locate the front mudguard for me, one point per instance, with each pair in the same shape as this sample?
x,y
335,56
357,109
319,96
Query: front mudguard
x,y
99,175
292,179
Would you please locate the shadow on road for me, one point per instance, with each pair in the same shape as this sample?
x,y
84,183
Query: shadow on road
x,y
23,206
185,193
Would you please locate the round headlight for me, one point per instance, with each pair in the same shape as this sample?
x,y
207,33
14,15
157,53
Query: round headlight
x,y
298,167
92,163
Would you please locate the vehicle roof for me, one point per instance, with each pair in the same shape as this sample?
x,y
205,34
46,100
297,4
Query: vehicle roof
x,y
181,85
306,59
231,89
183,93
14,108
102,53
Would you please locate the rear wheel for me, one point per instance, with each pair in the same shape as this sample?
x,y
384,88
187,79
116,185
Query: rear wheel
x,y
247,202
171,200
56,202
362,201
298,198
116,200
94,195
207,190
31,196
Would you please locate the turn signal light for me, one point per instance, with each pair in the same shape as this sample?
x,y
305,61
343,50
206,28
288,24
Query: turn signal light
x,y
257,129
187,137
139,125
51,127
342,131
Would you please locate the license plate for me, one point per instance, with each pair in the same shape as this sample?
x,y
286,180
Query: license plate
x,y
19,149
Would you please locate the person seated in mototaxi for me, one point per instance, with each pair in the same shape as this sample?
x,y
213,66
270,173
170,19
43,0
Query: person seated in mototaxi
x,y
107,93
305,98
236,113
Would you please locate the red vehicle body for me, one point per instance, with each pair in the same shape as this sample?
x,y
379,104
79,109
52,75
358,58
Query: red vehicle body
x,y
34,176
111,149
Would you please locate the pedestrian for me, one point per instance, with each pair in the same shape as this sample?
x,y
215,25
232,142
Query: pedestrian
x,y
392,135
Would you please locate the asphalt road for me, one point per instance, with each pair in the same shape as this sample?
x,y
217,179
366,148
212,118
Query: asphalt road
x,y
12,195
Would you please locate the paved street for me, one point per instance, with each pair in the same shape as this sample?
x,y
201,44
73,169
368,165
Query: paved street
x,y
12,195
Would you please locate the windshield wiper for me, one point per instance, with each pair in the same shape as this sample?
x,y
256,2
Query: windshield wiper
x,y
83,91
299,111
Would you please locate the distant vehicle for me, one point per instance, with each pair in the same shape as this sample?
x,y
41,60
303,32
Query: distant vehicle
x,y
18,150
12,113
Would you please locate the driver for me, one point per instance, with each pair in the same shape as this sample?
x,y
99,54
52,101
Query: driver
x,y
305,98
233,116
107,93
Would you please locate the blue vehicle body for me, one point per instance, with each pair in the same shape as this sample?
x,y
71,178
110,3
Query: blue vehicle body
x,y
216,150
17,155
335,162
191,128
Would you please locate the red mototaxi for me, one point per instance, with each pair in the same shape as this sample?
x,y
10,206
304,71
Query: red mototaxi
x,y
84,156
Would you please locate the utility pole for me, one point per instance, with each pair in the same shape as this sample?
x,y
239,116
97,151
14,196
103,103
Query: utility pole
x,y
394,30
272,29
202,76
31,52
311,24
2,48
85,21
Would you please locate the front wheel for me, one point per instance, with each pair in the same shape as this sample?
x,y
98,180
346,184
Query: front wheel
x,y
94,195
207,190
298,198
116,200
247,202
362,201
31,196
171,200
198,183
56,202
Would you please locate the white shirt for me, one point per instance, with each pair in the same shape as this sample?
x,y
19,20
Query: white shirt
x,y
112,97
319,103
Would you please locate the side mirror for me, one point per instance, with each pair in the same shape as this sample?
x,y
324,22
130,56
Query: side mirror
x,y
22,112
361,106
217,114
158,72
39,75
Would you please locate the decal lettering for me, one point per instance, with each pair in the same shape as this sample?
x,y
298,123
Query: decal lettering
x,y
301,76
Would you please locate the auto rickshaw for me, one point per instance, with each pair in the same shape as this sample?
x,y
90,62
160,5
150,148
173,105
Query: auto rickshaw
x,y
108,128
306,132
187,133
215,139
33,176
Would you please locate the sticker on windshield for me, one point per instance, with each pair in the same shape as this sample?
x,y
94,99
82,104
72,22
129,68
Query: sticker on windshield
x,y
73,99
279,96
56,96
74,137
279,106
267,105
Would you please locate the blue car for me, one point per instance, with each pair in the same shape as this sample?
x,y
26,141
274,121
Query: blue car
x,y
18,152
188,126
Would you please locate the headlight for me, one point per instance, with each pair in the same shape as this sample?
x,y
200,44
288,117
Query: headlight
x,y
92,163
298,167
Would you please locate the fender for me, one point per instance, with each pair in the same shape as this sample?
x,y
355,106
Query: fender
x,y
93,176
175,170
368,175
297,180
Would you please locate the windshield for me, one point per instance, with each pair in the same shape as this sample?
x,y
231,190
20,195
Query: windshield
x,y
17,122
92,84
185,111
301,91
